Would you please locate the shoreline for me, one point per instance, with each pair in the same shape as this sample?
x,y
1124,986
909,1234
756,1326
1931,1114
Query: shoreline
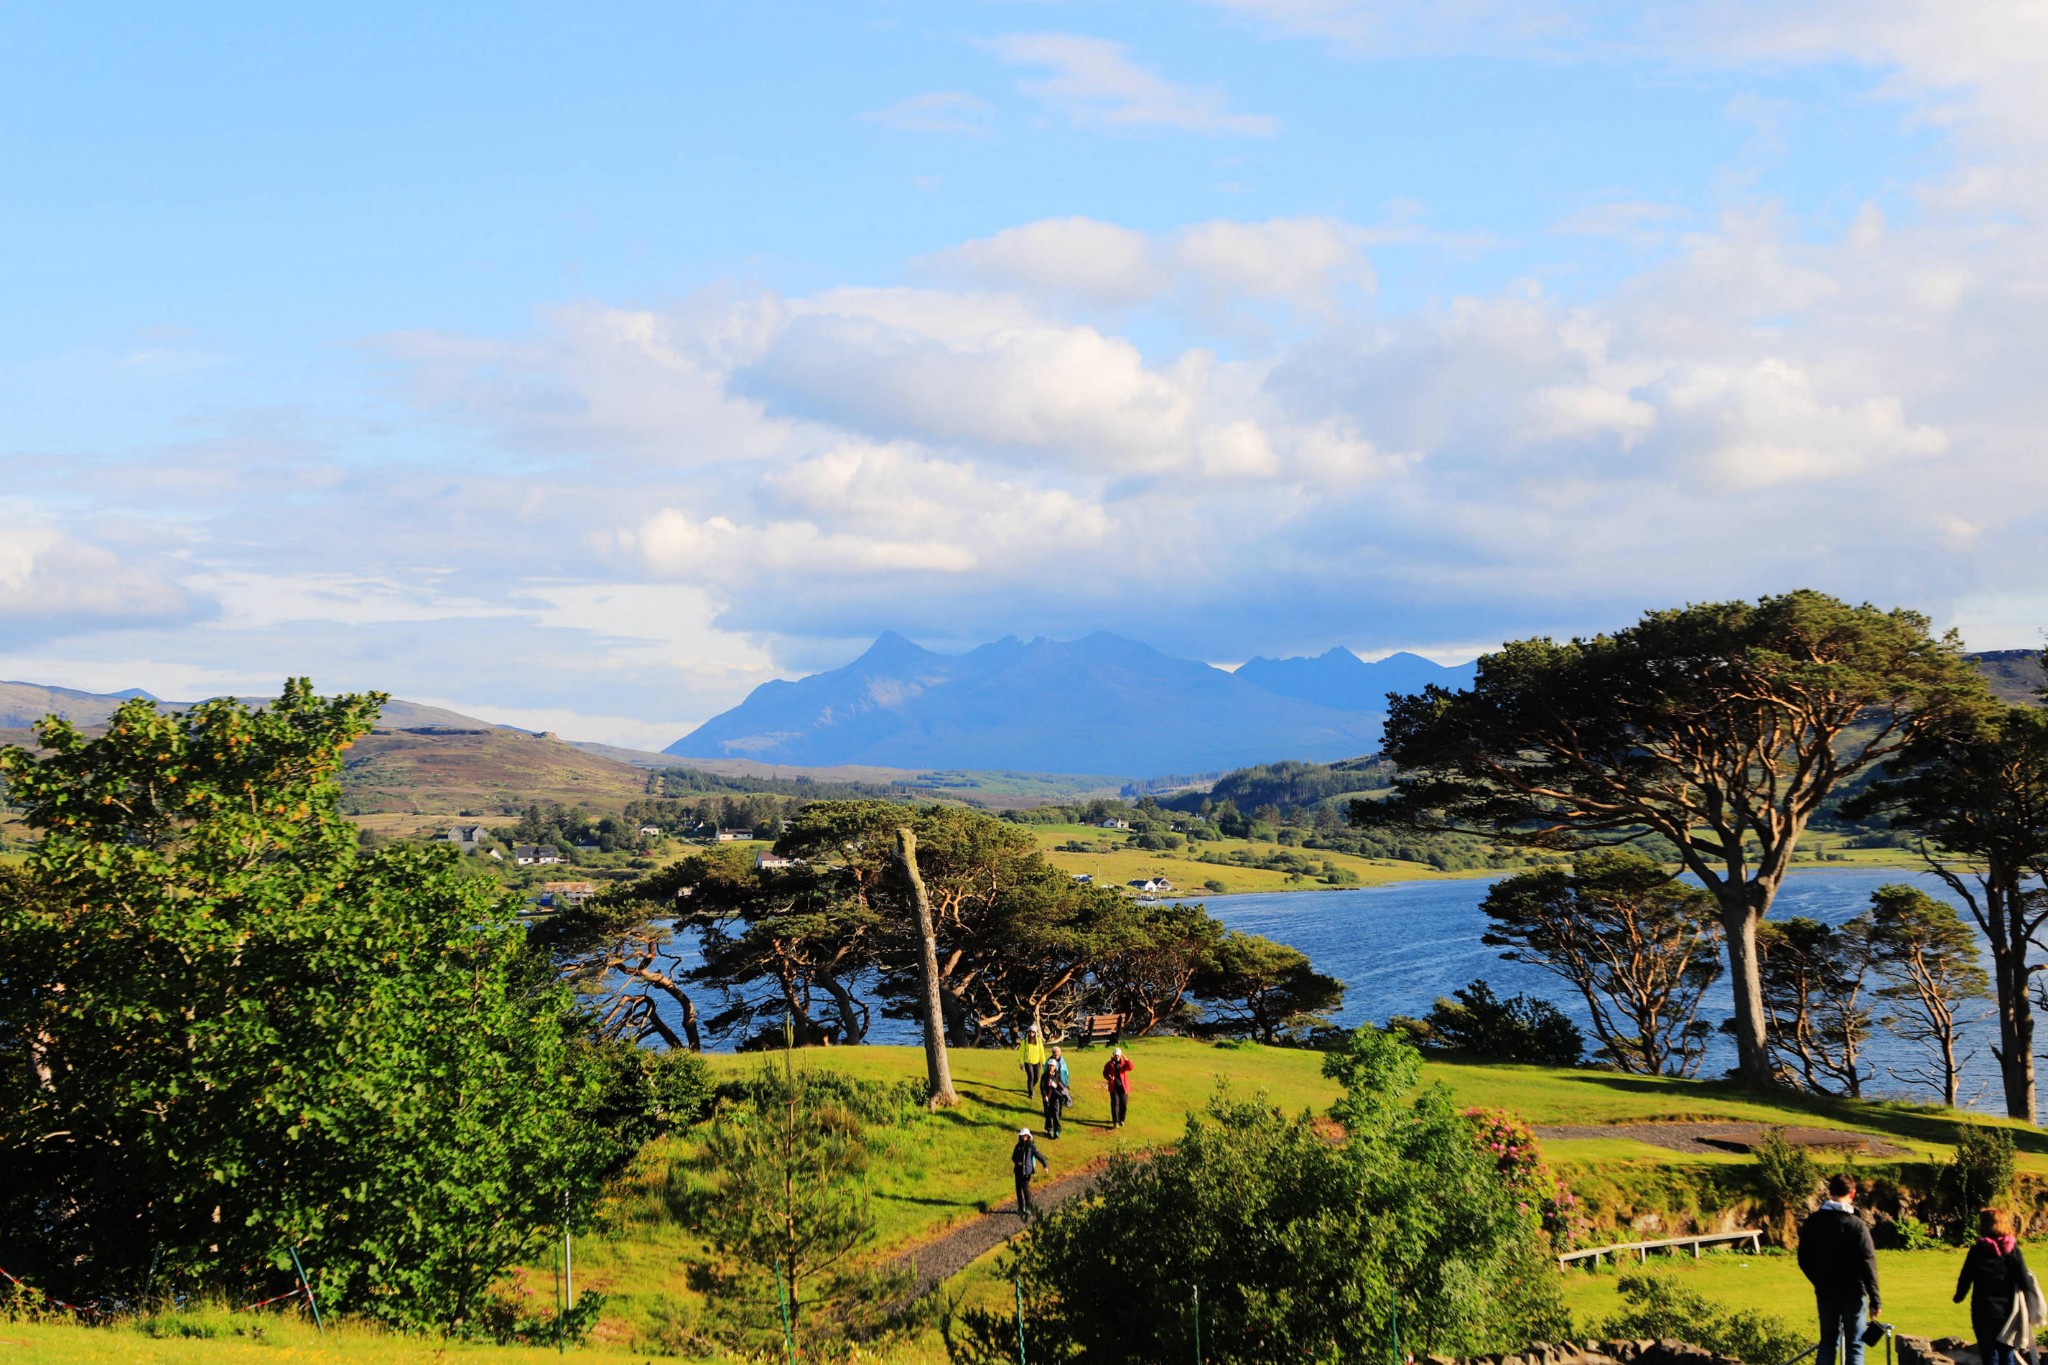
x,y
1910,866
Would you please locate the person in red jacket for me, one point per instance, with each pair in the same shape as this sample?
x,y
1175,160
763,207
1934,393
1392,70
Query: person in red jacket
x,y
1117,1072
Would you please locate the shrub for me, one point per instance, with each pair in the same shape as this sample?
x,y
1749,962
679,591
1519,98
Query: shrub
x,y
1517,1029
1906,1233
1302,1247
1659,1307
1979,1176
1785,1178
1519,1161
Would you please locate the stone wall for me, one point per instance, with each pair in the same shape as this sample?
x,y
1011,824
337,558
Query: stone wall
x,y
1603,1353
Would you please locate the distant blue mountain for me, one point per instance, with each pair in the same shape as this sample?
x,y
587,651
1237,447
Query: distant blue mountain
x,y
1340,679
1102,704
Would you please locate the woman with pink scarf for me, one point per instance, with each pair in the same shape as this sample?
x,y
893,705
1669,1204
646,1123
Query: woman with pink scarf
x,y
2003,1301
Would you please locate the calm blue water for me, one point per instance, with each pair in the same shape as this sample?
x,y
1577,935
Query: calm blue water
x,y
1397,948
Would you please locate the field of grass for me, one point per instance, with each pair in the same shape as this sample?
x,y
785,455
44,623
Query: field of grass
x,y
1917,1287
931,1173
1188,874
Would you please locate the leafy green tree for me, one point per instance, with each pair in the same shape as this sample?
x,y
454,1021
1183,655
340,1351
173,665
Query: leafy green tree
x,y
1301,1248
1721,727
1929,961
1264,989
1149,973
788,1209
1017,937
1976,792
1814,976
226,1031
1478,1023
1640,948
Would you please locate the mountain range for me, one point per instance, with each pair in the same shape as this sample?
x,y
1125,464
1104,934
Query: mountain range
x,y
1101,704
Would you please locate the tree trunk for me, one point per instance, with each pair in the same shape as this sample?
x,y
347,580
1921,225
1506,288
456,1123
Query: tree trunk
x,y
2015,1028
1752,1055
938,1072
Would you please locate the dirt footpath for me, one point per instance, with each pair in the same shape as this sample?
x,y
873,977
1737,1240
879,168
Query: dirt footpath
x,y
947,1255
1697,1139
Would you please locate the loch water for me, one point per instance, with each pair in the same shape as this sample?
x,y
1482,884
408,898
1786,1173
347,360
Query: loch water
x,y
1400,946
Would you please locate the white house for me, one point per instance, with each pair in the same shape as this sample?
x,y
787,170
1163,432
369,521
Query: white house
x,y
1151,886
734,836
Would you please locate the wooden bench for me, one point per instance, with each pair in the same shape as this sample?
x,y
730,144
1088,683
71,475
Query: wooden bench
x,y
1106,1028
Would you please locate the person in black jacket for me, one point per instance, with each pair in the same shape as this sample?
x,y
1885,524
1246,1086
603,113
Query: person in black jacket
x,y
1994,1273
1836,1254
1025,1159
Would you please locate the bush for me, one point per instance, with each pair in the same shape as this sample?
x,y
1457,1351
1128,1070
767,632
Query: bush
x,y
1786,1179
1302,1247
1660,1308
1518,1029
1978,1177
886,1102
1905,1233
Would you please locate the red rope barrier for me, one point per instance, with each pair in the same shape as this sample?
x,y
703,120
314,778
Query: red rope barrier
x,y
67,1307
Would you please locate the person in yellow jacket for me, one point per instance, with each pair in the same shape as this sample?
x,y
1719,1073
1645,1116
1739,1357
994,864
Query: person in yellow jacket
x,y
1032,1054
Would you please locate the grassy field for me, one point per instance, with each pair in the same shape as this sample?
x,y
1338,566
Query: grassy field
x,y
1917,1286
1121,863
934,1172
1181,866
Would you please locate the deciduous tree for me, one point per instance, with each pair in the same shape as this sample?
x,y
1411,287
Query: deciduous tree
x,y
226,1032
1265,989
1640,948
1814,977
1929,962
1977,794
1721,727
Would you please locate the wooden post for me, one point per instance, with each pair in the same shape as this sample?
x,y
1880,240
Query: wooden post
x,y
938,1072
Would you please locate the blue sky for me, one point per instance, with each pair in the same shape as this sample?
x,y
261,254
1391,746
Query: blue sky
x,y
585,366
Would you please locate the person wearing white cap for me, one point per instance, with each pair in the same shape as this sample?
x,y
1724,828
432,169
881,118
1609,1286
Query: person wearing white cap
x,y
1025,1159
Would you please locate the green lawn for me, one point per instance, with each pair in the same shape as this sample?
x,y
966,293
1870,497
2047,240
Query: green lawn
x,y
1916,1285
933,1173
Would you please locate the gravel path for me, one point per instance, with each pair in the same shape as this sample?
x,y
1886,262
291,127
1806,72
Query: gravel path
x,y
1698,1139
949,1254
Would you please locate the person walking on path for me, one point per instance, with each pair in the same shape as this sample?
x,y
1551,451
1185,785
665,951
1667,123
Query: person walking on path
x,y
2005,1305
1837,1256
1053,1088
1025,1159
1056,1064
1032,1054
1117,1072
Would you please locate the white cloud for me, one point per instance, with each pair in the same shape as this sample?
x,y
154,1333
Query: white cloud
x,y
1079,259
1306,261
936,111
54,582
1309,263
1095,84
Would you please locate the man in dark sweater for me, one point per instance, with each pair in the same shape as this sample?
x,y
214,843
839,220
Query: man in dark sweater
x,y
1836,1254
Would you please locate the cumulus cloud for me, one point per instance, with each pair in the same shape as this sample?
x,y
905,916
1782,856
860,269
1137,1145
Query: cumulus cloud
x,y
1095,84
1310,263
54,582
